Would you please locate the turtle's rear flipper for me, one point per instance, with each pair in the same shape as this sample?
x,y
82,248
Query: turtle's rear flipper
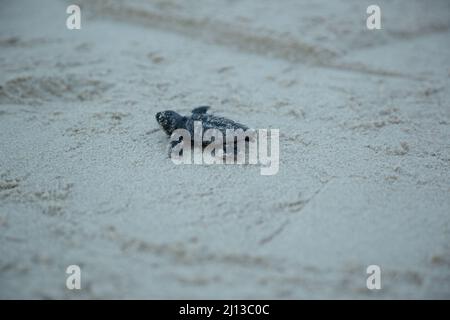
x,y
201,110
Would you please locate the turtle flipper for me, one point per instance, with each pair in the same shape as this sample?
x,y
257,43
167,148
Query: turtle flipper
x,y
172,145
201,110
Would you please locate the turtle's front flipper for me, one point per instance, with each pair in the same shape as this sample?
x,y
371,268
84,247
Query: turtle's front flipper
x,y
172,145
201,110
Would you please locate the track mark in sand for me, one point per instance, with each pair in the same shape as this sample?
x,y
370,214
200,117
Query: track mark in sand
x,y
363,69
298,205
385,118
101,123
294,139
185,254
155,58
424,31
198,280
296,113
51,201
225,69
114,118
33,90
9,187
220,33
152,131
246,40
373,124
401,150
8,184
295,206
273,234
16,42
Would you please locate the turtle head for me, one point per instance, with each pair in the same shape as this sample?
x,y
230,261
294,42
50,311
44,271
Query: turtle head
x,y
170,121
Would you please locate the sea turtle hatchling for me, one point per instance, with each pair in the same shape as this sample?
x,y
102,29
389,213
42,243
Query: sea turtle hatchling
x,y
170,121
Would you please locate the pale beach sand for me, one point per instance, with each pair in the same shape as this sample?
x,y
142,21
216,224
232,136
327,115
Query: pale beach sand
x,y
364,178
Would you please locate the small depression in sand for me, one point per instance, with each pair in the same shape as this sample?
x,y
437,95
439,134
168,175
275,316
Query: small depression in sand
x,y
35,90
